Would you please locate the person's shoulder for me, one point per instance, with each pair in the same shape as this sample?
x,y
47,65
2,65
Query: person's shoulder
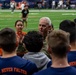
x,y
73,68
22,60
25,62
42,72
72,71
53,71
32,68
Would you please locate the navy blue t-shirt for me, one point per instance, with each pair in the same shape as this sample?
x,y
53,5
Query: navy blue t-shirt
x,y
58,71
72,58
16,66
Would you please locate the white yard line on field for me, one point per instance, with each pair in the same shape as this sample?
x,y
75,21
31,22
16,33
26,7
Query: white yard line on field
x,y
49,10
69,14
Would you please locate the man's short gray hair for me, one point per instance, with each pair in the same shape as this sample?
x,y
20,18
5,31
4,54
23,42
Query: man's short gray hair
x,y
47,19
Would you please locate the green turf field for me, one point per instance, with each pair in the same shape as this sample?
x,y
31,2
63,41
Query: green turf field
x,y
7,19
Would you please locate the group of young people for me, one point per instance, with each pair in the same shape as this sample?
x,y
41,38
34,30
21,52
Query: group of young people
x,y
44,52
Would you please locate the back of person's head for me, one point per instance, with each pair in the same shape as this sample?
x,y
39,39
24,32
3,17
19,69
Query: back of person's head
x,y
69,26
33,41
58,41
47,20
8,40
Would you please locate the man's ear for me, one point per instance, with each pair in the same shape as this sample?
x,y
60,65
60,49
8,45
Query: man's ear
x,y
17,43
49,49
49,27
69,48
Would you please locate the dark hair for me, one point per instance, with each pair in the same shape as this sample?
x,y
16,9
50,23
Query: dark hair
x,y
33,41
18,21
8,39
69,26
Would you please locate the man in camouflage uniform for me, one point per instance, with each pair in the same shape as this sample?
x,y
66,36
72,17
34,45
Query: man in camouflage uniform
x,y
45,27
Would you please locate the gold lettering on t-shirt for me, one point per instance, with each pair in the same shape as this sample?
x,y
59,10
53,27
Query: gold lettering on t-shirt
x,y
9,69
20,70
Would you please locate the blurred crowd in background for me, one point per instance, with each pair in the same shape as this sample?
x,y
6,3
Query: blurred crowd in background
x,y
39,4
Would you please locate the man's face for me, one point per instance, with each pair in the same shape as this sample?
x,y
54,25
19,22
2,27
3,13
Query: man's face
x,y
43,26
